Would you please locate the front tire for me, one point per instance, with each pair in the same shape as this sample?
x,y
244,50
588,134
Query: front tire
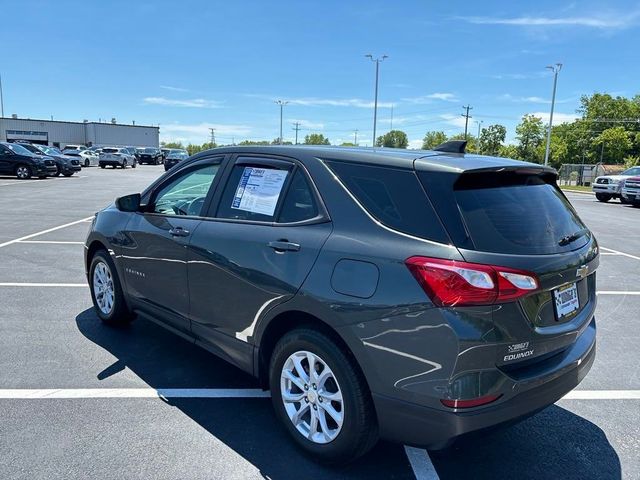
x,y
124,164
106,291
87,163
321,397
23,172
603,197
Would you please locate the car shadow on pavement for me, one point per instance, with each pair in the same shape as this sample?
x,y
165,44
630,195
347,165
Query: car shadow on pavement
x,y
555,443
248,426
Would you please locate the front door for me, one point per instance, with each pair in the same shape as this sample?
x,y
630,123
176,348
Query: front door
x,y
256,250
155,255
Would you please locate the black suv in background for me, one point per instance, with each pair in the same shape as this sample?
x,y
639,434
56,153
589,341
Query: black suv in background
x,y
17,160
150,155
415,296
65,164
173,157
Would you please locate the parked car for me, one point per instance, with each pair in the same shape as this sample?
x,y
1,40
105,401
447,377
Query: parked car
x,y
17,160
86,158
607,187
150,155
174,157
165,152
116,157
631,190
74,147
411,295
65,165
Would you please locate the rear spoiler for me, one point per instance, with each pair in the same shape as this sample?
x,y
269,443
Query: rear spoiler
x,y
452,146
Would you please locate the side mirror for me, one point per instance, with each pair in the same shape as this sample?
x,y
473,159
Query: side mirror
x,y
128,203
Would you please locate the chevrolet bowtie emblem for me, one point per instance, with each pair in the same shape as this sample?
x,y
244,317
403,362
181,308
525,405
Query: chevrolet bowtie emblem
x,y
582,272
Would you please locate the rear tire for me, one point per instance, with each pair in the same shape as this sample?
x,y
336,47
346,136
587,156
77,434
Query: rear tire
x,y
124,164
102,166
87,163
603,197
23,172
330,442
106,291
67,174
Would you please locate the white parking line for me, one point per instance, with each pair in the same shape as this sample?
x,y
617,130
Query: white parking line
x,y
620,253
27,237
16,284
421,464
85,393
612,292
53,242
603,395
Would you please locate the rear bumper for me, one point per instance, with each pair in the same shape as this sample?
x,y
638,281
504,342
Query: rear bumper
x,y
111,162
413,424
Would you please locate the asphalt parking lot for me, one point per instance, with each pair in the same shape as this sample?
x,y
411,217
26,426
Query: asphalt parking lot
x,y
81,400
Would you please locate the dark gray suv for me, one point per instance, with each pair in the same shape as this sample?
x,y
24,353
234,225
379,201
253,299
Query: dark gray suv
x,y
414,296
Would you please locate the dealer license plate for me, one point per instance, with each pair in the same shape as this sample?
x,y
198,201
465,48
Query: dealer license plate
x,y
566,300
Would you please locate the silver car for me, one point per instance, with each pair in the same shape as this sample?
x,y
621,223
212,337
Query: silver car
x,y
117,157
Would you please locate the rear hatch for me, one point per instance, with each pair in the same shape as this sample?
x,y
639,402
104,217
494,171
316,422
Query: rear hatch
x,y
512,214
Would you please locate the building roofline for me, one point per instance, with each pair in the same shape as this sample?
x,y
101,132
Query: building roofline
x,y
79,123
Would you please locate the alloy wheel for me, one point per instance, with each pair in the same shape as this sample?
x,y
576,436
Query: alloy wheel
x,y
103,289
22,172
312,397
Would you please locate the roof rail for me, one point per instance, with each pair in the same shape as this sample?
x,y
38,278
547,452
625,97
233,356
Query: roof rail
x,y
452,146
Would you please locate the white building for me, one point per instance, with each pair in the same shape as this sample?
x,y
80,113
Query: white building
x,y
58,134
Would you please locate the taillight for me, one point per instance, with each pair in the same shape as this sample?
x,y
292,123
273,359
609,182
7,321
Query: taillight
x,y
451,283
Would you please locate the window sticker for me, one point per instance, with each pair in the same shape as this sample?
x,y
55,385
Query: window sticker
x,y
258,190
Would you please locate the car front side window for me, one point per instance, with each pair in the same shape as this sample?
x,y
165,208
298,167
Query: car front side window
x,y
186,194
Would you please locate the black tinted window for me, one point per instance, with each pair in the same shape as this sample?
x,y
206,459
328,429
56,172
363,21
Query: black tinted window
x,y
394,197
299,203
252,193
523,216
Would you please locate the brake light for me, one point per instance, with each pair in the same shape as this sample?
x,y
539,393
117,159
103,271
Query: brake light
x,y
473,402
451,283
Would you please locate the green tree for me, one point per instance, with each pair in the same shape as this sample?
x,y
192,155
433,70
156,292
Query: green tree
x,y
509,151
433,139
491,139
530,135
614,144
393,139
347,144
254,142
316,139
471,142
172,145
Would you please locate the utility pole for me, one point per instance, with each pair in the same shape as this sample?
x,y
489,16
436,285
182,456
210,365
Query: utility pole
x,y
466,119
555,69
213,136
478,138
375,103
355,139
1,99
296,128
282,103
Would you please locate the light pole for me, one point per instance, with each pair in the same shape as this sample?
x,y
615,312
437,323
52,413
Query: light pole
x,y
478,137
282,103
375,102
1,99
555,69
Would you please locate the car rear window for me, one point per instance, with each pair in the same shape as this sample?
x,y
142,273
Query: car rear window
x,y
392,196
516,214
109,150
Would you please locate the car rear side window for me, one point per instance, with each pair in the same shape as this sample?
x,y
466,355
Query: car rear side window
x,y
394,197
253,193
517,214
299,204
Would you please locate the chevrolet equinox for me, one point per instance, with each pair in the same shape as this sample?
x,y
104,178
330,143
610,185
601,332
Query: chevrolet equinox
x,y
415,296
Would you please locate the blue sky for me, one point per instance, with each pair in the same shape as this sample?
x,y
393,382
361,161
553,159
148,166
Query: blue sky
x,y
189,66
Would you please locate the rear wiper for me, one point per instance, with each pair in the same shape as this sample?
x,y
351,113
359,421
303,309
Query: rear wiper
x,y
567,239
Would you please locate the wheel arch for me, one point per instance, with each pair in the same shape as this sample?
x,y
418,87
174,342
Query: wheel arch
x,y
285,322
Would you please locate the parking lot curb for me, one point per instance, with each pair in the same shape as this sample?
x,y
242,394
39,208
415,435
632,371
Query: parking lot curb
x,y
576,191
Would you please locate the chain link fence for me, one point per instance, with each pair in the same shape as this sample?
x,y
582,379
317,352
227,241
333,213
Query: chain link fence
x,y
575,174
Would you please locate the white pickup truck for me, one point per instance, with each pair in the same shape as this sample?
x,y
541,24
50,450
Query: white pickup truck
x,y
607,187
631,191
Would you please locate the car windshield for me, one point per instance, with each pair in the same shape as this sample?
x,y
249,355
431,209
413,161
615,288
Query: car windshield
x,y
632,171
150,150
19,149
51,150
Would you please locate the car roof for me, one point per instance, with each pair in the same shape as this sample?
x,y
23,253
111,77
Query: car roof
x,y
392,157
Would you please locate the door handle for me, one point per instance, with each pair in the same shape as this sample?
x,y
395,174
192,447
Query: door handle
x,y
179,232
284,246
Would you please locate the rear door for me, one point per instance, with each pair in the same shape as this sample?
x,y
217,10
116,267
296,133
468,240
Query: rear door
x,y
257,248
7,164
518,218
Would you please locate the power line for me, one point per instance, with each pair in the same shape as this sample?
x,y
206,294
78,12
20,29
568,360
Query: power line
x,y
466,119
296,128
355,139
